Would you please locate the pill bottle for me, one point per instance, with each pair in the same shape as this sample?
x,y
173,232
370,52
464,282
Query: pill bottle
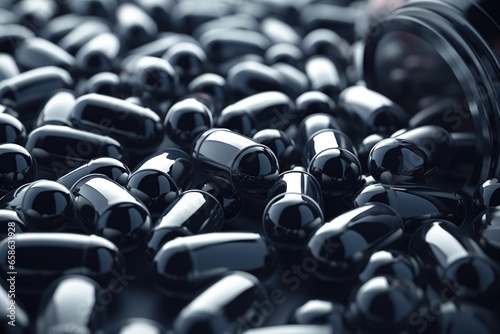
x,y
426,52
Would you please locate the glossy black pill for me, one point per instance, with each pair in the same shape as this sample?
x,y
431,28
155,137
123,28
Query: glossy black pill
x,y
343,246
151,77
186,120
274,110
8,67
185,265
222,306
284,53
416,204
293,329
279,31
386,304
31,88
35,14
17,167
59,149
188,59
371,111
133,126
43,205
464,318
326,139
235,21
486,232
38,52
98,55
11,224
177,164
412,156
232,158
43,257
298,82
454,261
334,16
325,76
314,123
486,195
14,312
327,43
11,35
112,168
192,212
230,200
211,84
137,326
282,145
56,311
294,210
57,109
391,263
11,130
104,83
134,26
81,34
364,148
105,208
314,102
159,46
186,15
317,312
60,26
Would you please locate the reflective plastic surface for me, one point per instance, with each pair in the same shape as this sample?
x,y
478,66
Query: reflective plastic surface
x,y
314,102
314,123
37,52
282,145
188,59
326,139
57,109
134,26
321,312
325,76
185,265
391,263
486,232
230,200
11,130
343,246
17,167
137,326
486,195
98,55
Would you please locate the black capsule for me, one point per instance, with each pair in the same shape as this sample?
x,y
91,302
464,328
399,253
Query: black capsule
x,y
326,139
321,312
221,45
279,32
365,147
112,168
104,83
14,311
486,229
192,212
35,14
134,26
235,21
325,76
105,208
177,164
281,144
465,318
55,314
57,109
188,59
343,246
98,55
454,261
11,224
12,35
327,43
486,195
8,66
11,130
186,120
298,82
186,16
391,263
137,326
274,110
43,205
232,158
29,89
82,34
38,52
411,156
372,112
293,329
294,210
386,304
213,85
314,102
230,200
58,149
60,26
159,46
314,123
17,167
416,204
224,307
284,53
185,265
133,126
43,257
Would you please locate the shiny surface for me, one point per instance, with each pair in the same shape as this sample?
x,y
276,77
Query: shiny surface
x,y
44,257
185,265
104,83
386,304
416,204
273,110
343,246
17,167
60,149
98,55
212,84
294,210
486,195
43,205
292,329
228,197
326,139
321,312
328,43
364,148
412,156
192,212
223,307
11,130
37,52
57,109
134,26
105,208
455,261
325,76
391,263
314,102
112,168
282,145
133,126
226,155
81,34
72,302
284,53
314,123
188,59
486,232
187,119
137,326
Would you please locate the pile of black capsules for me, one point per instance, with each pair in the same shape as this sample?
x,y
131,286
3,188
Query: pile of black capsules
x,y
190,166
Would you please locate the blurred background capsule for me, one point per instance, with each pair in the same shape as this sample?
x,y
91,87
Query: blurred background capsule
x,y
392,262
134,26
137,326
104,83
486,232
486,195
37,52
188,59
8,68
321,312
57,109
98,55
